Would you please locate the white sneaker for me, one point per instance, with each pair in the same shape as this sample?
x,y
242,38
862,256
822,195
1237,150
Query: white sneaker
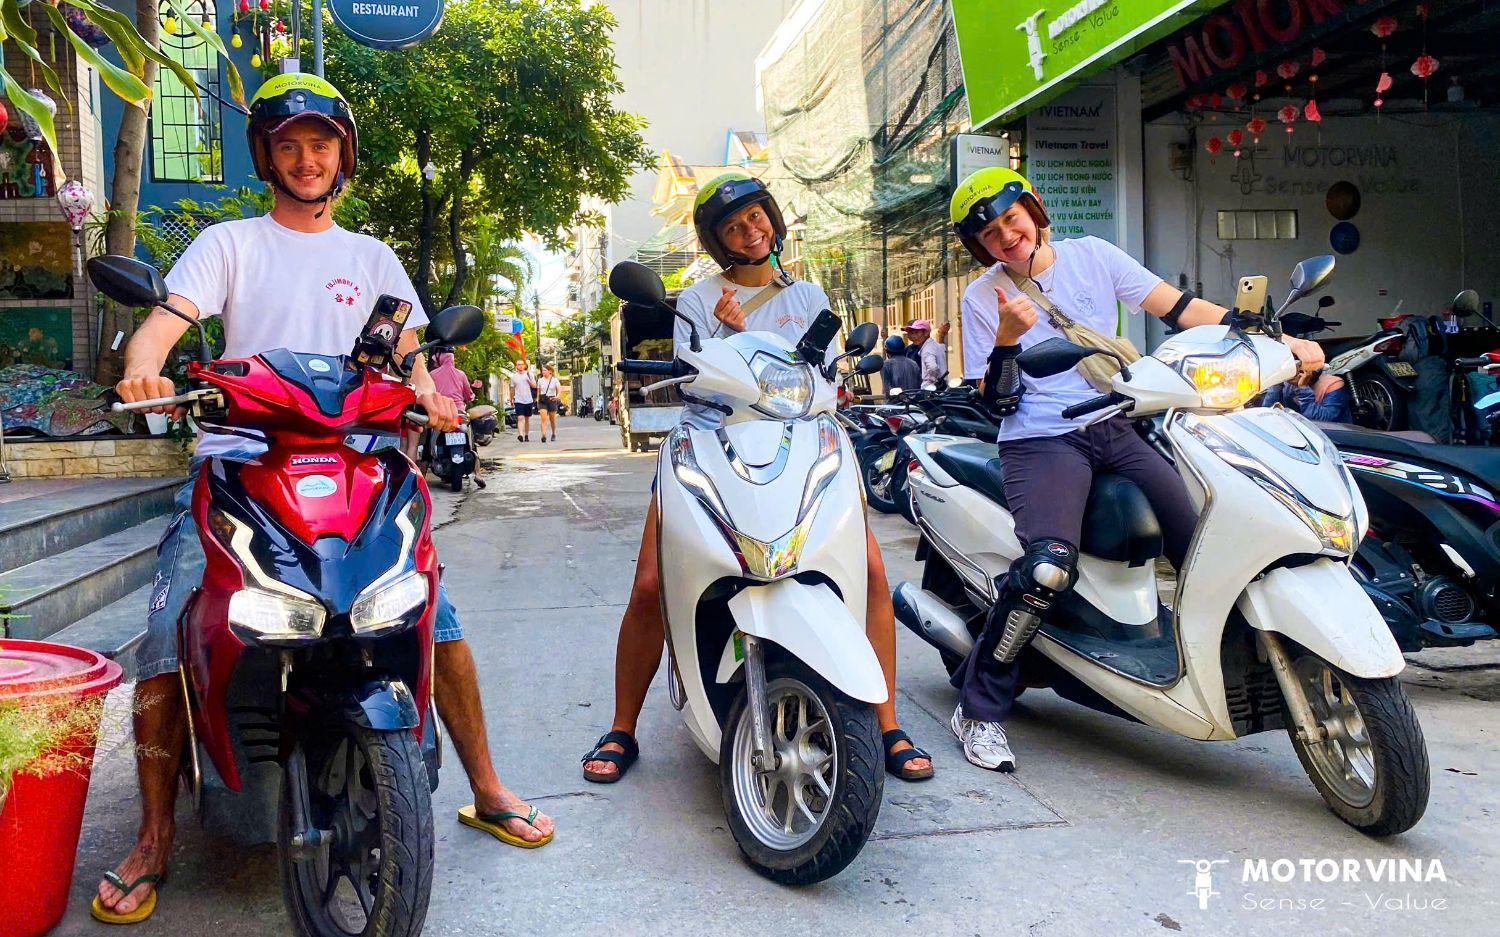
x,y
985,744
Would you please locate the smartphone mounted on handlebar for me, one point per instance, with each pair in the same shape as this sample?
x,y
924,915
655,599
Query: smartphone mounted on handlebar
x,y
376,345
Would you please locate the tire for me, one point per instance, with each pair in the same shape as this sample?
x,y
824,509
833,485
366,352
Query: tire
x,y
394,780
878,484
900,489
857,773
1389,793
456,478
1382,402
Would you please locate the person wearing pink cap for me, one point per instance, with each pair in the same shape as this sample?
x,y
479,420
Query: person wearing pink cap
x,y
931,355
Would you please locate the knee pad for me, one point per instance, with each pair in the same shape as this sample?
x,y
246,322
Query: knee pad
x,y
1026,593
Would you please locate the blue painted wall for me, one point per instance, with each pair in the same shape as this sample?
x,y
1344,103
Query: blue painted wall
x,y
236,156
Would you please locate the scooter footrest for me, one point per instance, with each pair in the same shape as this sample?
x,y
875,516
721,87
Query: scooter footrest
x,y
1446,633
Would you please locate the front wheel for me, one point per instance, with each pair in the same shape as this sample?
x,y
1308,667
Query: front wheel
x,y
1382,402
806,820
1372,766
876,470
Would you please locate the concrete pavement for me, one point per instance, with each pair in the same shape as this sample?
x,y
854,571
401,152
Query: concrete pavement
x,y
1093,834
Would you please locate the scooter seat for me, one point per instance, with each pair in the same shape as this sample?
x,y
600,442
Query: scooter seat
x,y
1333,347
1479,462
1118,523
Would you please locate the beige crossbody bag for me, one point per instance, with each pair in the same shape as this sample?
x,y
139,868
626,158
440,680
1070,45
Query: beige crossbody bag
x,y
1098,370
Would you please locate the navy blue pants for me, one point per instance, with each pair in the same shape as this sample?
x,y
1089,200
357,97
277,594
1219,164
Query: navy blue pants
x,y
1047,481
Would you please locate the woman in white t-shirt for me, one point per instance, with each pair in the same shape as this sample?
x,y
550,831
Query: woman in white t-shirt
x,y
740,226
1049,461
548,399
523,397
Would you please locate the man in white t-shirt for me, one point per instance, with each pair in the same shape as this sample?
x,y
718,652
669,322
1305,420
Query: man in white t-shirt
x,y
523,397
931,355
740,226
291,279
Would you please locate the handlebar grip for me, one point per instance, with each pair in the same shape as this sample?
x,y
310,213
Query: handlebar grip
x,y
418,418
1089,406
118,407
653,368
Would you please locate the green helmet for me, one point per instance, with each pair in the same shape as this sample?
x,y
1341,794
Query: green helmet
x,y
984,196
723,196
293,96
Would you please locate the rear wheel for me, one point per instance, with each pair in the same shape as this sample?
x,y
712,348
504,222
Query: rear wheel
x,y
369,790
1371,767
878,482
806,820
1382,403
456,478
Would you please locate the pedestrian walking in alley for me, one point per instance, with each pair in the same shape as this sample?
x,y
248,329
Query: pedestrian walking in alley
x,y
548,400
523,396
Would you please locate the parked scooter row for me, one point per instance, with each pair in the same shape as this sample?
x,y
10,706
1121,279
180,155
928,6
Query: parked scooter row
x,y
954,411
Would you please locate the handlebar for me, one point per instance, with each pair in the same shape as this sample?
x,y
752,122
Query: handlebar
x,y
672,368
177,401
1089,406
420,419
1479,364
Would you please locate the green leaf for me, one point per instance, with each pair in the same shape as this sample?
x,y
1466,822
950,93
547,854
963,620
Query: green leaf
x,y
25,37
121,31
35,109
117,79
236,87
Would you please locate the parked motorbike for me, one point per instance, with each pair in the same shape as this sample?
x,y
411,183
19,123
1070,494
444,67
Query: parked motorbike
x,y
306,653
484,422
769,663
1431,562
451,456
1267,627
1379,384
957,412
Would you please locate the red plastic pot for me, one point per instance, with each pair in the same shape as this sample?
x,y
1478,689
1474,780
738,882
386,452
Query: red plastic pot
x,y
42,817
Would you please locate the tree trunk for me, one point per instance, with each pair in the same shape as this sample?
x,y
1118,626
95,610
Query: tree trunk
x,y
427,224
125,200
466,162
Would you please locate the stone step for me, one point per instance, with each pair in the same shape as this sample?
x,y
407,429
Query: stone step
x,y
55,522
113,630
51,593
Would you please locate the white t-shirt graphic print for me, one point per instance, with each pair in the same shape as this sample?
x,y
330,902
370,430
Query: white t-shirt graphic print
x,y
1088,279
279,288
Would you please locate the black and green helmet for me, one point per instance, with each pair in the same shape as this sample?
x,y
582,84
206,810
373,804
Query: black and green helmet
x,y
723,196
294,96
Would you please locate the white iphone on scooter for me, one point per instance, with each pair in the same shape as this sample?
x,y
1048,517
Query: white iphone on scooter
x,y
763,579
1267,627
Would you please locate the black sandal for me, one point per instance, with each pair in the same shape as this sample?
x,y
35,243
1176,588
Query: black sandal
x,y
621,762
896,762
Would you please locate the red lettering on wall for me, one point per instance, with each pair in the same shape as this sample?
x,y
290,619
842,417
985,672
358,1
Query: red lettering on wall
x,y
1191,66
1323,9
1246,11
1223,42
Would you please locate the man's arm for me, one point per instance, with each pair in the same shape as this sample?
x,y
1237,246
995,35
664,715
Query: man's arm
x,y
442,412
146,354
1161,301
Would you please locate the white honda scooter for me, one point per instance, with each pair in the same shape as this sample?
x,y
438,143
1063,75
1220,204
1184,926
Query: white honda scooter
x,y
763,580
1267,628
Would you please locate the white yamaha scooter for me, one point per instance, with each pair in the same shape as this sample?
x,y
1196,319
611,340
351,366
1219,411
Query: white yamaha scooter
x,y
763,581
1267,629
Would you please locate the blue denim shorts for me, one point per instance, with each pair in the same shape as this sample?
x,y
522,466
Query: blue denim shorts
x,y
179,570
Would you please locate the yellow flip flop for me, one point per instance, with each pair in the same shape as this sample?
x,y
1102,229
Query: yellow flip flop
x,y
491,823
141,912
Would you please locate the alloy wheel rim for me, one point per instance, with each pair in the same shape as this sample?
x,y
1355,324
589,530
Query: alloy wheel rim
x,y
1345,759
786,807
345,874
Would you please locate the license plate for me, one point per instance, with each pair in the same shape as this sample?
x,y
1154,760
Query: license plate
x,y
455,438
1402,369
885,462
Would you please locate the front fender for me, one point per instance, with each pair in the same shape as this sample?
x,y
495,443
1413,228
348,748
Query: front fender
x,y
1322,608
813,625
382,705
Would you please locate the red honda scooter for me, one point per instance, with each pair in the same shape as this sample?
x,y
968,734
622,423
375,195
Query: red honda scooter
x,y
307,651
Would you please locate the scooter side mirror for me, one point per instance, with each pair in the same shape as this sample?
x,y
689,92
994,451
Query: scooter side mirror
x,y
1308,277
869,364
1325,301
127,280
456,325
1053,356
636,283
862,340
1466,303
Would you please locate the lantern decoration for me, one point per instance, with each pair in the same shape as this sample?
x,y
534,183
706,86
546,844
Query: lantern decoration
x,y
1257,126
236,41
170,25
4,118
265,4
1384,27
1288,115
76,201
1214,145
1424,66
1288,69
1237,91
34,129
255,60
1234,138
1318,58
1312,113
244,6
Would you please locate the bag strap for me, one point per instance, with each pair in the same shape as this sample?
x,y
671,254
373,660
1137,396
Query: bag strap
x,y
761,298
1060,319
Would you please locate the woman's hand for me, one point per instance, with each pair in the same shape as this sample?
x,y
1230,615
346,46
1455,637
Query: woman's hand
x,y
728,310
1017,316
1309,357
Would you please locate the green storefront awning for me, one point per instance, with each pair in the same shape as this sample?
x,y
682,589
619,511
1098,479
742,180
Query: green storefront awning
x,y
1016,54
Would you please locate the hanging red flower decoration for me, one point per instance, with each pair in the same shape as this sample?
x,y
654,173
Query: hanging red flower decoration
x,y
1384,27
265,4
1215,145
1288,68
1256,126
1384,83
1312,113
1237,91
1288,113
1424,66
1422,10
1215,100
244,6
1235,137
4,117
1318,57
1261,78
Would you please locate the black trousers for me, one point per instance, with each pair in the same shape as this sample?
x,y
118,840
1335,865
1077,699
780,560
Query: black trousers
x,y
1047,481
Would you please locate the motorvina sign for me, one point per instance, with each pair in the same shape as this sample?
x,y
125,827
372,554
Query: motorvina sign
x,y
1018,53
388,24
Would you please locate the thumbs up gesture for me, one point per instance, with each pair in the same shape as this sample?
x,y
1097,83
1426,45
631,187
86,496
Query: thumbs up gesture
x,y
1017,316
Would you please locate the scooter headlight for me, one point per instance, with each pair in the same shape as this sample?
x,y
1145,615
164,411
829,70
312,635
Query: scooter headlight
x,y
1223,381
387,608
269,616
786,389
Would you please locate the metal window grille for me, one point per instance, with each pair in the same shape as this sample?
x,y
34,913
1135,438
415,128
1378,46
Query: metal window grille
x,y
1258,225
177,232
186,127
